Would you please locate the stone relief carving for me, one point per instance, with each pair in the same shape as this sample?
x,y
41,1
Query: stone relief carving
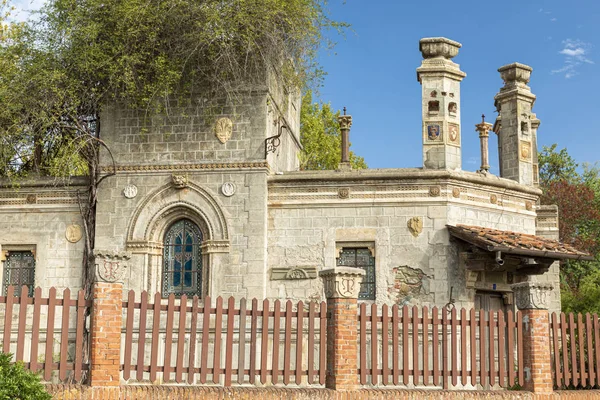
x,y
294,273
456,192
223,129
73,233
31,199
179,181
525,151
130,191
528,205
531,295
342,282
434,191
228,189
415,226
410,281
111,265
452,108
493,199
453,134
434,132
434,107
344,193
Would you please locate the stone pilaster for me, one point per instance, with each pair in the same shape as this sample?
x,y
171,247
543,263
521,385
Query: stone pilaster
x,y
533,300
516,125
106,319
440,80
342,285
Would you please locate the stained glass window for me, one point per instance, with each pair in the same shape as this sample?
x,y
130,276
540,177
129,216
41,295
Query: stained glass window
x,y
182,268
361,258
19,270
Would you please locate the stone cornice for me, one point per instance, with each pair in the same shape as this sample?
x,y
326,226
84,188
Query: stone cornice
x,y
412,175
263,165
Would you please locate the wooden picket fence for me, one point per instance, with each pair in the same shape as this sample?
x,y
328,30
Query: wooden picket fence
x,y
575,348
399,346
190,343
30,327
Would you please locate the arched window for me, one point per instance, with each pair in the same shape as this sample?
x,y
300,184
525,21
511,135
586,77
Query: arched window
x,y
182,259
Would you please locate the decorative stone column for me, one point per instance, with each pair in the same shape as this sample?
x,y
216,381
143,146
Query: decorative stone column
x,y
107,297
345,122
484,129
440,79
533,300
342,285
516,124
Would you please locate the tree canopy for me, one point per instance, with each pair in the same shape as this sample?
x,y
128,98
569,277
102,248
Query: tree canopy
x,y
321,137
577,196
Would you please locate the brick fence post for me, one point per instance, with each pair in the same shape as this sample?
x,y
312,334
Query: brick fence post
x,y
342,285
105,341
533,299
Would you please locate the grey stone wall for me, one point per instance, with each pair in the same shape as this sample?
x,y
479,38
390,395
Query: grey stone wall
x,y
309,220
35,216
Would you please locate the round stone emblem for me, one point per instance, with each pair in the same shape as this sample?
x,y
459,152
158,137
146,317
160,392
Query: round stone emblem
x,y
73,233
130,191
228,189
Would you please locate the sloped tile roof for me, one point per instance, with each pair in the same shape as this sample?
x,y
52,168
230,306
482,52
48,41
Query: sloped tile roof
x,y
516,243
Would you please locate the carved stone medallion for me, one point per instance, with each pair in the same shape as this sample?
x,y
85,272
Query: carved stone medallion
x,y
130,191
228,189
31,199
344,193
223,129
415,226
434,191
528,205
179,181
73,233
493,199
456,192
434,132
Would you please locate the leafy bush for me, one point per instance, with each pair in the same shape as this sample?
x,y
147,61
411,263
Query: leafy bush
x,y
17,383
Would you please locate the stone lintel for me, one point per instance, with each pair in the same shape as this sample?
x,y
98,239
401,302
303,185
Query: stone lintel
x,y
532,295
342,282
293,273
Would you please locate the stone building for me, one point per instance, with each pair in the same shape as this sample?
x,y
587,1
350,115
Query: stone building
x,y
216,205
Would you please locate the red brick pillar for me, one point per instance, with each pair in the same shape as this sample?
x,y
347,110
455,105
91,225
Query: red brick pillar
x,y
105,341
533,299
342,285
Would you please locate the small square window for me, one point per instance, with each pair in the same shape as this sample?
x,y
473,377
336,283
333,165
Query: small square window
x,y
19,270
360,257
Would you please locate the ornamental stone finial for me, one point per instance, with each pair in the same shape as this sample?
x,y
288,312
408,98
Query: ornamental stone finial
x,y
484,128
532,295
515,74
342,282
437,47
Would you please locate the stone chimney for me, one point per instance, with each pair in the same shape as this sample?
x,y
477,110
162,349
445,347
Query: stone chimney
x,y
517,126
440,79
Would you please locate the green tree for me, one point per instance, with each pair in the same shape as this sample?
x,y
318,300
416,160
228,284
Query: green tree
x,y
577,196
321,138
17,383
60,71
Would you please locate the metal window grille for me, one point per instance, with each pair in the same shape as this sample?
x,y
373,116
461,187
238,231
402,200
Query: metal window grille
x,y
19,270
361,258
182,259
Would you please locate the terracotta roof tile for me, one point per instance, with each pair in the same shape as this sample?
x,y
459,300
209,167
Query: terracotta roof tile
x,y
516,243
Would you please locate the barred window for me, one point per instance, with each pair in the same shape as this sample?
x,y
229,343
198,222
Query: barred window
x,y
182,259
361,258
19,270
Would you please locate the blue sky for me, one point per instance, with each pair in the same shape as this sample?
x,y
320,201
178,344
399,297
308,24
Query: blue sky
x,y
372,72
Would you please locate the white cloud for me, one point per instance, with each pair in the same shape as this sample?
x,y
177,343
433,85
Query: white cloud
x,y
553,20
576,53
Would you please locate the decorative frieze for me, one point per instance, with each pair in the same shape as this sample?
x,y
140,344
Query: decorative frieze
x,y
294,273
186,167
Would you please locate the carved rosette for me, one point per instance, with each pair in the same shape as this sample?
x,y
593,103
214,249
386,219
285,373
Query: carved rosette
x,y
342,282
111,265
531,295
